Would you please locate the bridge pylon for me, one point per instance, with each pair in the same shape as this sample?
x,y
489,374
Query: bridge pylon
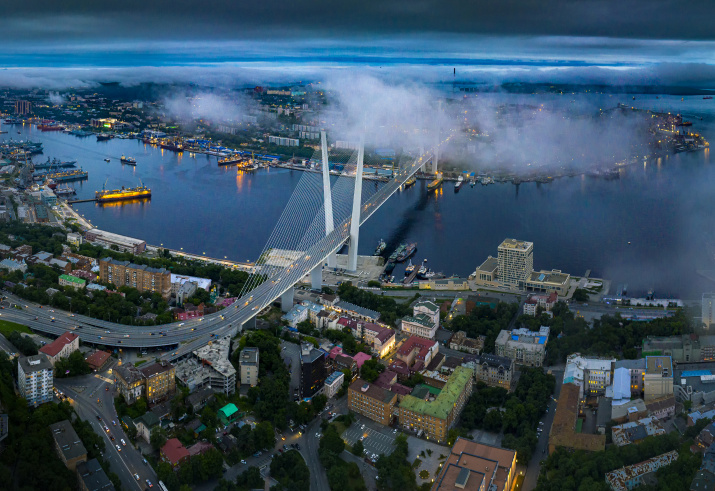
x,y
357,204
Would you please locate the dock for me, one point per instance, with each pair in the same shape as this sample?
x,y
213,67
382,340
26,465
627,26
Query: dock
x,y
73,201
412,276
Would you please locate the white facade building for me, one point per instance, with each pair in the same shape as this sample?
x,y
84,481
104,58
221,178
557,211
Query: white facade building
x,y
35,379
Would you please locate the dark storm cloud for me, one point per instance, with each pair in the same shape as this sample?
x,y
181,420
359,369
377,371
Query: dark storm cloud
x,y
231,19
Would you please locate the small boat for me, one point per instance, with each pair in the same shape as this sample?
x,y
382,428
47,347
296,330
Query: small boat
x,y
380,248
128,160
458,184
107,160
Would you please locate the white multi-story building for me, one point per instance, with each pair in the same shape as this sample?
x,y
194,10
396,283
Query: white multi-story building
x,y
523,346
708,309
424,321
284,142
592,375
35,379
516,261
333,383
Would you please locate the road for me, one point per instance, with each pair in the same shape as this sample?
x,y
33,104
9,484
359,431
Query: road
x,y
84,392
542,447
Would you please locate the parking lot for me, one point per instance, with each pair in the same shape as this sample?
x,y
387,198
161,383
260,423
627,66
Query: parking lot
x,y
375,441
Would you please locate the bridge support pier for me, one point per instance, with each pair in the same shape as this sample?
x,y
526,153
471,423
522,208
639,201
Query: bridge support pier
x,y
249,324
316,277
287,300
357,206
435,159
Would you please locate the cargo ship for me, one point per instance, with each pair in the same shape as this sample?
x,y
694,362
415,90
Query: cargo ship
x,y
437,182
171,145
409,182
406,253
400,249
64,176
56,164
231,160
380,248
50,126
128,160
12,121
139,192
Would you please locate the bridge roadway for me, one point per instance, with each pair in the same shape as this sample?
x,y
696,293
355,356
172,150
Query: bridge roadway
x,y
180,338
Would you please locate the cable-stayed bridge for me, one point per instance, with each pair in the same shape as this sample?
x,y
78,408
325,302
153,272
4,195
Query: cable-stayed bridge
x,y
324,213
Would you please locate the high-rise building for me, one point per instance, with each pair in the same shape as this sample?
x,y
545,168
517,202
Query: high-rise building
x,y
23,107
708,309
313,370
35,379
516,261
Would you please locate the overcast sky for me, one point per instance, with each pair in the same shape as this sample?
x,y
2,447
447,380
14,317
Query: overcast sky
x,y
497,37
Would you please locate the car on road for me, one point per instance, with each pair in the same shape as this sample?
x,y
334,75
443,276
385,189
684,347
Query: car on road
x,y
99,418
119,449
106,428
111,437
317,435
114,423
145,462
124,444
243,461
148,483
136,476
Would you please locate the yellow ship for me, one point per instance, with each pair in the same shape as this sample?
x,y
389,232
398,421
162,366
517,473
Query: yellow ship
x,y
436,183
139,192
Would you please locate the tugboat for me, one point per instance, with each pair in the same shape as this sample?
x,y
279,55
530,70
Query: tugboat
x,y
380,248
423,270
128,160
458,184
409,269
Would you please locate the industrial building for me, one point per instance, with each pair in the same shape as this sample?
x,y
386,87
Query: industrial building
x,y
109,239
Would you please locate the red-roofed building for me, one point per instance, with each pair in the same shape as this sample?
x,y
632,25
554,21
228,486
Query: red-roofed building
x,y
97,359
381,338
174,452
417,349
546,302
61,347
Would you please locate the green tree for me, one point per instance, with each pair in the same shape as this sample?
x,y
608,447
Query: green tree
x,y
358,448
157,438
371,369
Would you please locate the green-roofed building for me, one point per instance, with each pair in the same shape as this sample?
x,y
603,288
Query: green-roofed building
x,y
228,414
73,281
433,417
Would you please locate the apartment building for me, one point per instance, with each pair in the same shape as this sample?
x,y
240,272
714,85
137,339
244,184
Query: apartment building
x,y
156,381
92,477
61,347
371,401
380,338
333,384
516,261
35,379
249,362
141,277
708,310
493,370
68,445
658,379
523,346
433,415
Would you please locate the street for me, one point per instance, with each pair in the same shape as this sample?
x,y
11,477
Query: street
x,y
84,391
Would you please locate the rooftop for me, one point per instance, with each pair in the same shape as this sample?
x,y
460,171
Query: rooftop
x,y
619,478
56,346
554,277
93,476
72,279
67,440
116,238
174,451
490,265
358,310
249,356
442,406
659,365
563,432
156,368
34,363
470,462
514,244
373,391
216,354
635,431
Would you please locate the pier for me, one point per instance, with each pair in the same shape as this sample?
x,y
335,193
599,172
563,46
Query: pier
x,y
73,201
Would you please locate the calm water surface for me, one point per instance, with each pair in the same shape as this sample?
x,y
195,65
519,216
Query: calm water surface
x,y
665,209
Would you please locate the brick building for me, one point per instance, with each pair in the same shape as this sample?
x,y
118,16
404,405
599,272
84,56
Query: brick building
x,y
143,278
